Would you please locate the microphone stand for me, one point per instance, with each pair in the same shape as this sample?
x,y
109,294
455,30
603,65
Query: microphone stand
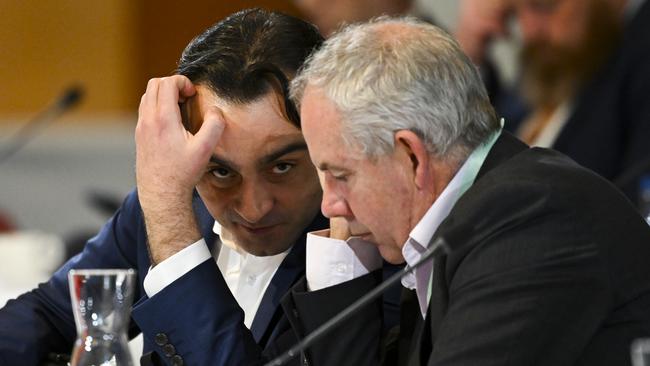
x,y
67,100
437,246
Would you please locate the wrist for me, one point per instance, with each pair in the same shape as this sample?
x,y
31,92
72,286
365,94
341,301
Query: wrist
x,y
170,229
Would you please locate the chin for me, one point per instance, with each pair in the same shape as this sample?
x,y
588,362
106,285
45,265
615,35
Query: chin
x,y
392,255
261,250
264,244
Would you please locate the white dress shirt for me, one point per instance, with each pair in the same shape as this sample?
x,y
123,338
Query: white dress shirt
x,y
247,275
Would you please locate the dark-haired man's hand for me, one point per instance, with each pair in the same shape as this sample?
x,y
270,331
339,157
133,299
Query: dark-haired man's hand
x,y
169,163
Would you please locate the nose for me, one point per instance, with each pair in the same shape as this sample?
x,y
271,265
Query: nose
x,y
333,205
255,202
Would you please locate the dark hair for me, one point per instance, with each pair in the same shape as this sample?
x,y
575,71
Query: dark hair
x,y
244,56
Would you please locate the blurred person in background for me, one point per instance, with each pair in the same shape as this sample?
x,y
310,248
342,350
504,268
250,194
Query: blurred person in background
x,y
208,291
585,77
329,15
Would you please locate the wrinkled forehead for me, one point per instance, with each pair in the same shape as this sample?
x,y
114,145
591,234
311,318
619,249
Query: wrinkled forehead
x,y
194,109
255,131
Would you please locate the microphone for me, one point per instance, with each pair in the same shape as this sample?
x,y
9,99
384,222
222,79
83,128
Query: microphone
x,y
436,246
70,97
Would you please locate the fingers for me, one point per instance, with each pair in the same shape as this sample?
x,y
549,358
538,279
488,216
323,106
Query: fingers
x,y
210,132
339,228
175,88
171,90
162,96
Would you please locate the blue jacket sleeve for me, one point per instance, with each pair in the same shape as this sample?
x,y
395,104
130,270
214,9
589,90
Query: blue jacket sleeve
x,y
197,320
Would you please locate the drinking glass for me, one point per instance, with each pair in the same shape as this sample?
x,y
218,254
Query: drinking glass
x,y
101,304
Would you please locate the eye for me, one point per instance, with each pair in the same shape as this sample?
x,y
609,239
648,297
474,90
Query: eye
x,y
222,173
282,168
340,177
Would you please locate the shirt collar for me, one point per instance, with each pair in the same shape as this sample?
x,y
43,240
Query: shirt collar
x,y
460,183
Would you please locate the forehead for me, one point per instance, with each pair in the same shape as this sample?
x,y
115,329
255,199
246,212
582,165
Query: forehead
x,y
322,128
252,131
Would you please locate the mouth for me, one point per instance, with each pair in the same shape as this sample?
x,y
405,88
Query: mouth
x,y
258,230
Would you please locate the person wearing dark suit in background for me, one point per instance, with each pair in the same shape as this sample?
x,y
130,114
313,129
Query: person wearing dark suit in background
x,y
211,296
584,73
547,262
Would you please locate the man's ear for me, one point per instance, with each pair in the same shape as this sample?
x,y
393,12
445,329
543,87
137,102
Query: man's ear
x,y
414,148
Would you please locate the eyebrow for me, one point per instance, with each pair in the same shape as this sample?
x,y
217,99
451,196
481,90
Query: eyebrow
x,y
325,166
223,162
296,146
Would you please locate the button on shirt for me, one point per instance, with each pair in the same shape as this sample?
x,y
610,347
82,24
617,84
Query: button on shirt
x,y
246,275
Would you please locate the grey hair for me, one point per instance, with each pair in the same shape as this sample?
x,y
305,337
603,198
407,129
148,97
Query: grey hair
x,y
394,74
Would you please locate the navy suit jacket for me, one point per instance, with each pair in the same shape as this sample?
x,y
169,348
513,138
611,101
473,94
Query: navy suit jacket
x,y
197,314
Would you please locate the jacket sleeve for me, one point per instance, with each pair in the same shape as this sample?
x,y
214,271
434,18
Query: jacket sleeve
x,y
40,321
197,320
356,341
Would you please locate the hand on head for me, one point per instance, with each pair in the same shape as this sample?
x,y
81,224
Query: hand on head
x,y
170,162
169,159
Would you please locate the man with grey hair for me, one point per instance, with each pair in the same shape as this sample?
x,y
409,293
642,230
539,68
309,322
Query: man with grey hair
x,y
546,262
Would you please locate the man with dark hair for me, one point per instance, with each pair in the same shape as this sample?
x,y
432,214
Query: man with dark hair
x,y
202,298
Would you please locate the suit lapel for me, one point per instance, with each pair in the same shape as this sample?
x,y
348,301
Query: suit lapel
x,y
291,269
439,298
418,335
426,330
410,324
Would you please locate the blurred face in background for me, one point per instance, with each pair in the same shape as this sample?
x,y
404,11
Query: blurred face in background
x,y
565,43
329,15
